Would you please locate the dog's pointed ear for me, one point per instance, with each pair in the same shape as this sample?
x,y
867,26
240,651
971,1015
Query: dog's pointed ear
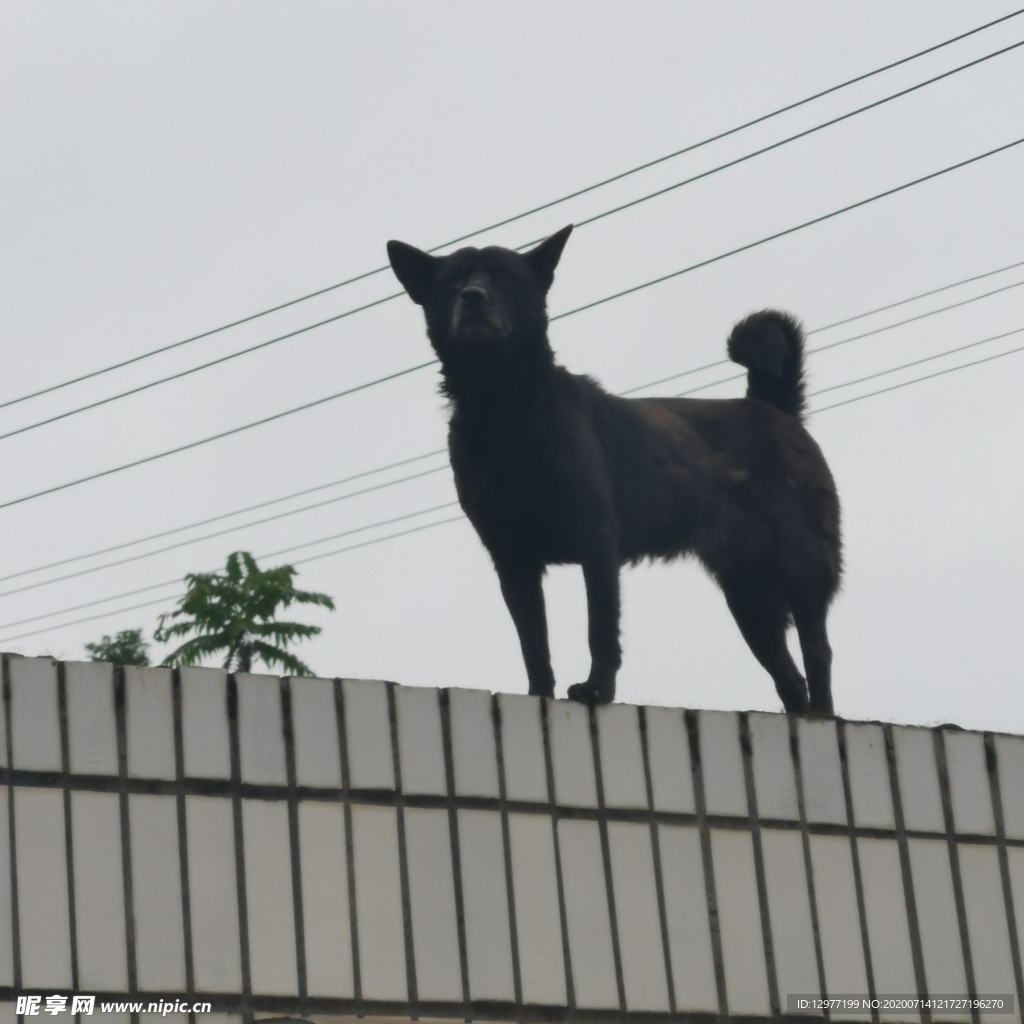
x,y
545,257
414,268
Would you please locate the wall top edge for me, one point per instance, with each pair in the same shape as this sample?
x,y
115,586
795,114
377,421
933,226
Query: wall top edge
x,y
8,657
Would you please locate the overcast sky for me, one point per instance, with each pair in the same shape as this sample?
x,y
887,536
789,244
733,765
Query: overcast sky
x,y
168,167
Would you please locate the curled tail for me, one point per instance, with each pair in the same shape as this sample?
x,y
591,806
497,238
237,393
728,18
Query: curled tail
x,y
770,345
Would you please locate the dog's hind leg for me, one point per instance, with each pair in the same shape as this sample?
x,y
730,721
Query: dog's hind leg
x,y
601,575
760,611
810,627
524,595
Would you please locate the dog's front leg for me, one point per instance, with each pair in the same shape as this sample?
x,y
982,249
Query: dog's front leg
x,y
601,575
524,595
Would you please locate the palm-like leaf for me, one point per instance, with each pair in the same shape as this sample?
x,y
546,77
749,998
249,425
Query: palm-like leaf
x,y
235,611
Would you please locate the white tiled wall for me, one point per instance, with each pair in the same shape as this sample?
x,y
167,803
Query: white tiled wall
x,y
213,881
586,911
150,723
269,897
325,900
639,925
261,736
937,916
789,909
42,887
821,772
204,715
99,891
360,847
743,950
420,744
572,755
485,901
868,766
541,961
435,936
92,738
379,903
774,775
686,911
156,888
525,769
885,912
315,724
473,748
725,790
835,889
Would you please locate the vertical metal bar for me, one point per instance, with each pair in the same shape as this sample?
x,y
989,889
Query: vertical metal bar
x,y
762,883
858,881
819,956
570,988
916,949
287,724
453,830
690,717
991,762
609,882
236,813
659,878
69,863
506,840
403,855
954,864
179,797
5,677
346,787
121,728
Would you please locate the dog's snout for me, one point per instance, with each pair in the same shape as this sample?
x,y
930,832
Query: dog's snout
x,y
473,295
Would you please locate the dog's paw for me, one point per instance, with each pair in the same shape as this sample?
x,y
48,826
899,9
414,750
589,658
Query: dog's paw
x,y
592,693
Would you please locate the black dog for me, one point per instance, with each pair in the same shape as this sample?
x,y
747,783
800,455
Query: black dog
x,y
551,469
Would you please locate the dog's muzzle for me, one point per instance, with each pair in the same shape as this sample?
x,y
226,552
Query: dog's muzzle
x,y
474,315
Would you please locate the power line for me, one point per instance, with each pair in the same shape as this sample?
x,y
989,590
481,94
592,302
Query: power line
x,y
175,597
560,316
440,451
858,380
919,295
519,216
917,362
855,337
787,231
917,380
195,369
781,142
222,434
57,417
229,515
91,618
589,220
266,554
376,487
428,526
217,533
347,532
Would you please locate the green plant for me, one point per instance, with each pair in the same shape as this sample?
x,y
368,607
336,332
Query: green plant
x,y
127,648
235,611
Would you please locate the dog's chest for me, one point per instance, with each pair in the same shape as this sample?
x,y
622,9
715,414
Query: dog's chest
x,y
521,497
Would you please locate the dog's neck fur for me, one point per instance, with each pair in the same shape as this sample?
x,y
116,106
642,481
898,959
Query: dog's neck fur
x,y
496,386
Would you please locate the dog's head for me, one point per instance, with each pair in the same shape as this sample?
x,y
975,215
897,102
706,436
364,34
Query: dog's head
x,y
474,299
